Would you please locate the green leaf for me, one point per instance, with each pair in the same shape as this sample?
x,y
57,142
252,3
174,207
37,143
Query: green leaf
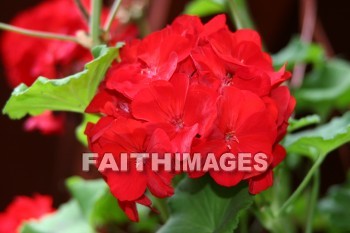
x,y
81,128
295,124
97,203
148,222
100,208
67,219
200,205
72,93
298,51
204,8
336,207
321,140
326,88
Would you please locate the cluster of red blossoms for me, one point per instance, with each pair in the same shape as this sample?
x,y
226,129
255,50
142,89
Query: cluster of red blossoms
x,y
190,88
24,209
26,58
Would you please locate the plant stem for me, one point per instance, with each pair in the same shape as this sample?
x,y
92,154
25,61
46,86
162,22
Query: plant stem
x,y
309,16
82,10
302,185
161,204
143,26
111,16
240,15
39,34
243,223
313,201
95,20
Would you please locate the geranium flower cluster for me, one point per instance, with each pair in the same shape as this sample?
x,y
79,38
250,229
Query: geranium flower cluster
x,y
190,88
26,58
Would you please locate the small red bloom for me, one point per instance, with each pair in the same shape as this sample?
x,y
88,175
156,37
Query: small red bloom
x,y
243,125
244,49
154,58
130,136
24,209
217,73
176,105
109,102
192,28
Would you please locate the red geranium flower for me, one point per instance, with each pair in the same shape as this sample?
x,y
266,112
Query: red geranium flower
x,y
193,88
24,209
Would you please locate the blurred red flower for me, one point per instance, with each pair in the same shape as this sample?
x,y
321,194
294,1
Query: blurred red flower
x,y
26,58
47,122
24,209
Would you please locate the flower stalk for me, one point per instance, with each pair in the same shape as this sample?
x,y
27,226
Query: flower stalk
x,y
239,13
39,34
82,10
95,19
313,201
302,186
111,16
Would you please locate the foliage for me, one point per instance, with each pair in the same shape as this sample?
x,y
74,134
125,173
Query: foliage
x,y
200,205
72,93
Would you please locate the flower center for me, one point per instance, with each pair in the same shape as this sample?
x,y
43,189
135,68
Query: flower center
x,y
178,123
124,107
228,79
149,71
230,138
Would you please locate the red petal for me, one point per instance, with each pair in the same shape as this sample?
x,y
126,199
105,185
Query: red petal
x,y
130,210
227,179
260,183
279,153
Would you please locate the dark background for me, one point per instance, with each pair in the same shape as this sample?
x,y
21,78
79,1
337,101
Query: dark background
x,y
31,163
